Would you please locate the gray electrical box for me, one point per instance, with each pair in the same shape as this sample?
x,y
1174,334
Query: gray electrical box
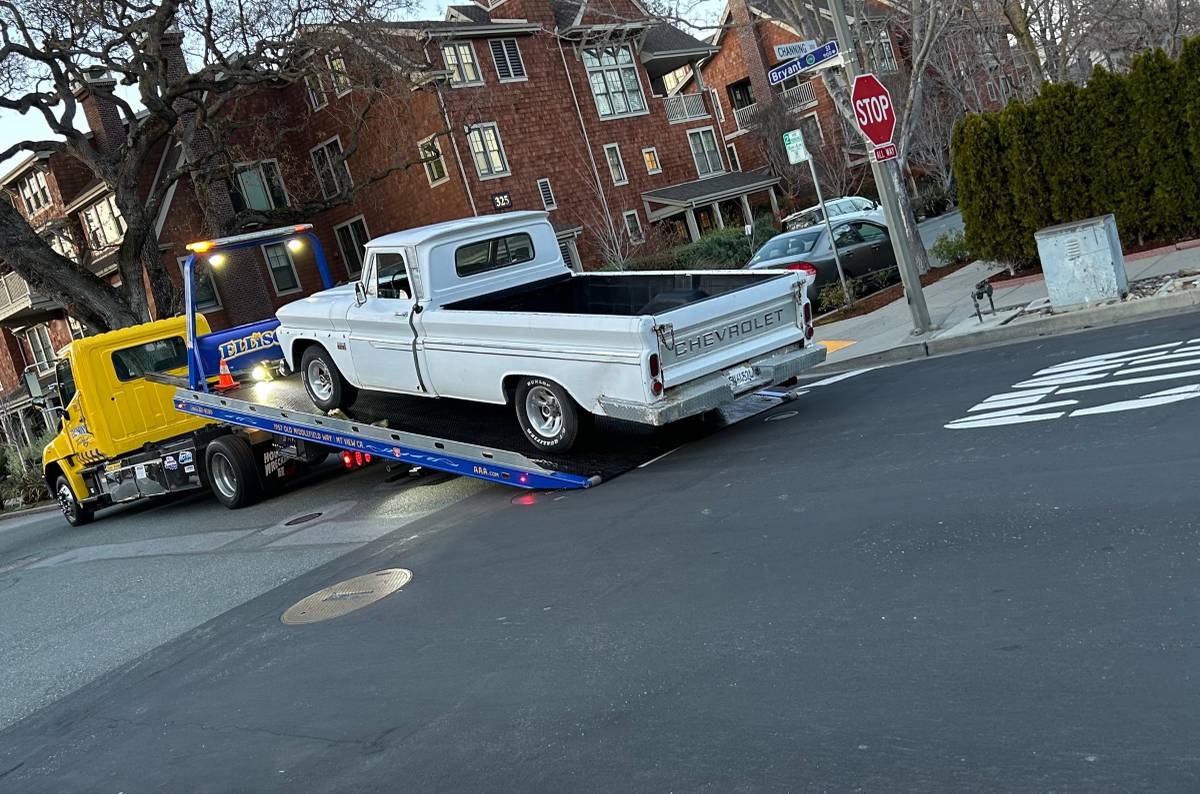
x,y
1082,261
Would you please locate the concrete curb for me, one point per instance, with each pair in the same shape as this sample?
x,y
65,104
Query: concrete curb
x,y
1083,319
42,508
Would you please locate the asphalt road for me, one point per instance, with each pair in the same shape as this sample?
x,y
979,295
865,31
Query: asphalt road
x,y
930,230
956,574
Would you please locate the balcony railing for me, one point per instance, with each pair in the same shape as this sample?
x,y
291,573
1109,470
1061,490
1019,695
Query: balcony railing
x,y
685,107
796,99
801,97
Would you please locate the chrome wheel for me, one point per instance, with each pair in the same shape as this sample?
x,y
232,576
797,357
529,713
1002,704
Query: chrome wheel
x,y
223,477
66,501
319,379
544,412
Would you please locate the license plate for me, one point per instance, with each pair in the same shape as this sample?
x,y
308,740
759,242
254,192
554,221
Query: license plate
x,y
740,376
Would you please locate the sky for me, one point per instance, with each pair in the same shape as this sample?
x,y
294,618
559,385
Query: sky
x,y
31,126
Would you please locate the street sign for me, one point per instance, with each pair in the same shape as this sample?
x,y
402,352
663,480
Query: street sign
x,y
795,49
821,56
885,152
793,142
873,109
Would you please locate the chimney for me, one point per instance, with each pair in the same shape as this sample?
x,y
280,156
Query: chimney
x,y
752,57
102,114
172,53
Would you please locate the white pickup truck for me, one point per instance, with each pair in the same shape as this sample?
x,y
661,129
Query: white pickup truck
x,y
485,309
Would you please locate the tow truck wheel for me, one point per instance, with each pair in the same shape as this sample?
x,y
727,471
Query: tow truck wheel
x,y
323,381
233,474
76,514
547,414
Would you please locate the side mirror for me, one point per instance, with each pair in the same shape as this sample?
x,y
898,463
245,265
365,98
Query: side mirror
x,y
360,293
39,403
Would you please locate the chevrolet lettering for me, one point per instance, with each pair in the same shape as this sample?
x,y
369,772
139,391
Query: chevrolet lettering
x,y
737,330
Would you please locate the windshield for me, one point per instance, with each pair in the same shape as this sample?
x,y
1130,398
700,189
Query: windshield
x,y
786,245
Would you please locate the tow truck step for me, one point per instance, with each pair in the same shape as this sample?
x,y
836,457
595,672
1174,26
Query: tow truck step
x,y
465,438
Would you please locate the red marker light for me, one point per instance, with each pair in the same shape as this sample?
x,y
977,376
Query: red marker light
x,y
367,457
656,387
524,478
347,461
358,461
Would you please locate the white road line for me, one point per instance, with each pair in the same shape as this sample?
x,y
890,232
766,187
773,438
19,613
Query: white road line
x,y
836,378
1002,420
1025,409
1168,365
1020,399
1010,395
1060,380
1103,357
1131,381
1149,401
655,460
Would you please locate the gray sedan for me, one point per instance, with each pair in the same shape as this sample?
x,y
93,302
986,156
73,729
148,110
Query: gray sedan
x,y
863,245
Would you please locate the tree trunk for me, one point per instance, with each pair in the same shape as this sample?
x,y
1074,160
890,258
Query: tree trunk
x,y
1014,12
93,300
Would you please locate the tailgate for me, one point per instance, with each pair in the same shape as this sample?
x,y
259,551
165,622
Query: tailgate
x,y
705,337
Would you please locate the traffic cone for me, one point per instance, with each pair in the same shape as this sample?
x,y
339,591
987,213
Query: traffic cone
x,y
226,381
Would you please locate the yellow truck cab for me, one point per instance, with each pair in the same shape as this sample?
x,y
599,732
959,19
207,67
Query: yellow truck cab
x,y
116,425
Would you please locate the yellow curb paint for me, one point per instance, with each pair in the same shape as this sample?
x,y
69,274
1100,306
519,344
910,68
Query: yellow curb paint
x,y
834,345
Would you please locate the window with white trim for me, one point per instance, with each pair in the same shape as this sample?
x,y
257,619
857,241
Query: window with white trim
x,y
734,162
34,192
616,85
352,240
616,166
705,152
509,66
338,72
487,150
650,158
716,103
38,338
314,88
633,226
259,187
283,269
810,125
332,171
103,223
461,63
204,289
547,194
434,161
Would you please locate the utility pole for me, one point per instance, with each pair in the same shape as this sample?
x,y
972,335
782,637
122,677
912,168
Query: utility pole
x,y
886,182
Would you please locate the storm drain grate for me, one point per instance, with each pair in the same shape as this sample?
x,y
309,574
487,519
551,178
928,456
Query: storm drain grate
x,y
345,597
781,415
304,519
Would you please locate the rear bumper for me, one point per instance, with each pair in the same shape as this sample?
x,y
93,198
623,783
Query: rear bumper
x,y
713,391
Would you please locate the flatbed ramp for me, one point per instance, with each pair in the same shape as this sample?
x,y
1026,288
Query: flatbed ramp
x,y
472,439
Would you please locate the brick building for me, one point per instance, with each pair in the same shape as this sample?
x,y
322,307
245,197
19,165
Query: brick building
x,y
558,105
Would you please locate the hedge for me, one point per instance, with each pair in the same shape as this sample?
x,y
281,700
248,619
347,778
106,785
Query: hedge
x,y
1125,144
720,249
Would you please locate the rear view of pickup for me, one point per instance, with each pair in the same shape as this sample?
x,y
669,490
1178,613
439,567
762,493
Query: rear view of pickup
x,y
485,309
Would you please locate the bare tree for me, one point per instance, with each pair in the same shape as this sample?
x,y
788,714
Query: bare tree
x,y
234,51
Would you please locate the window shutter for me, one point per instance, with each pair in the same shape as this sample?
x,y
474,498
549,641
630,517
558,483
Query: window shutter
x,y
498,55
514,58
547,194
565,250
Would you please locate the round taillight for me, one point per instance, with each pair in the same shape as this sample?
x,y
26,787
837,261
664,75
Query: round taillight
x,y
358,461
347,460
654,370
366,457
808,332
656,387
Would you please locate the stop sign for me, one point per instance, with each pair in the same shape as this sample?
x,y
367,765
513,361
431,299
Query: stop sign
x,y
873,109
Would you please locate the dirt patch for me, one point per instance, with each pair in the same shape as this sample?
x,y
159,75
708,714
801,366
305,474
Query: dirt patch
x,y
869,303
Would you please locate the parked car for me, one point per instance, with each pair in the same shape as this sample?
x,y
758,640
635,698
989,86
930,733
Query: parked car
x,y
485,309
846,205
863,244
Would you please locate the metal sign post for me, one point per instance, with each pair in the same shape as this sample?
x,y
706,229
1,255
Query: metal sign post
x,y
797,153
887,194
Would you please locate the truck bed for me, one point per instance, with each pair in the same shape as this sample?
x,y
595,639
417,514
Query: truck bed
x,y
615,447
625,294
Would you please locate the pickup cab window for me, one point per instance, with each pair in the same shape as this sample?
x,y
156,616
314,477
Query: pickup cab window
x,y
475,258
392,277
160,355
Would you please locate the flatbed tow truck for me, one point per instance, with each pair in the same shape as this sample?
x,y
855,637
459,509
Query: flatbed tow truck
x,y
236,440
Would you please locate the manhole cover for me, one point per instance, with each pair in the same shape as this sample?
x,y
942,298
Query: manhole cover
x,y
302,519
345,597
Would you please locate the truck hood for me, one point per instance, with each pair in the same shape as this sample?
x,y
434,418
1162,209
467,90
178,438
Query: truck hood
x,y
325,309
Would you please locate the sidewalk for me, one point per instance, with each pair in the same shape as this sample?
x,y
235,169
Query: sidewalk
x,y
886,333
